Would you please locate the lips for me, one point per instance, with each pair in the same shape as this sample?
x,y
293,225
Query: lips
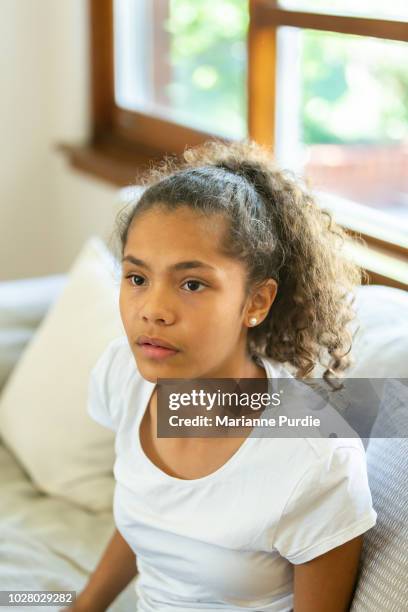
x,y
159,342
155,351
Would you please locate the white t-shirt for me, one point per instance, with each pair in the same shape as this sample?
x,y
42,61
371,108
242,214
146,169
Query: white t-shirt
x,y
225,541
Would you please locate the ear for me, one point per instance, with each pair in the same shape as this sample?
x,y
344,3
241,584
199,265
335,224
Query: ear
x,y
261,300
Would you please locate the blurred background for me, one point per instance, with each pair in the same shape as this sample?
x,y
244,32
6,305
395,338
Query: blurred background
x,y
94,90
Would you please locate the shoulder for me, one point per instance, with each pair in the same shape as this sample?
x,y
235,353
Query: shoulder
x,y
115,358
118,371
274,369
334,468
317,459
322,459
112,349
109,381
329,503
325,448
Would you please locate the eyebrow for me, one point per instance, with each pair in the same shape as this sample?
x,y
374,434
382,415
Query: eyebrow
x,y
181,265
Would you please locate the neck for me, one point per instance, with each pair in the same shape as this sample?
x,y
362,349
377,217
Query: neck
x,y
250,369
237,367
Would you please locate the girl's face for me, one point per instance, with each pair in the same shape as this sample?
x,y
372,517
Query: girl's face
x,y
196,308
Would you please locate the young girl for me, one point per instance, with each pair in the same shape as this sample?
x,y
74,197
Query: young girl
x,y
231,265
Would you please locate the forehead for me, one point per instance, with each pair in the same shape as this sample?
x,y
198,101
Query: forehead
x,y
182,228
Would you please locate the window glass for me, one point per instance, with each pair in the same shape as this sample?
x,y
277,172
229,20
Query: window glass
x,y
342,116
184,61
380,9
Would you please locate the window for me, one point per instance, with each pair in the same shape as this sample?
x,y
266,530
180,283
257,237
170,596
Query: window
x,y
183,61
343,122
379,9
324,84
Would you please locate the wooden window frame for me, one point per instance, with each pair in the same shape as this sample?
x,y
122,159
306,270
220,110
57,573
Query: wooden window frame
x,y
123,141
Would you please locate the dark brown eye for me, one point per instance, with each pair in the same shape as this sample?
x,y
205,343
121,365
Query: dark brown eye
x,y
194,283
135,276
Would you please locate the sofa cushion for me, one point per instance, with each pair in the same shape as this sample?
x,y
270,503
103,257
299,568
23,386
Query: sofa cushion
x,y
383,582
46,542
43,417
380,346
23,304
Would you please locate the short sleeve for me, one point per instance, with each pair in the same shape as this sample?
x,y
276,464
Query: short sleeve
x,y
98,405
330,505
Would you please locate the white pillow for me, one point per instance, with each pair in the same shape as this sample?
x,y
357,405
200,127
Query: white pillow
x,y
380,346
43,417
23,304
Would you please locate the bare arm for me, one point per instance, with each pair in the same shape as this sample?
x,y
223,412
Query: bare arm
x,y
326,583
113,573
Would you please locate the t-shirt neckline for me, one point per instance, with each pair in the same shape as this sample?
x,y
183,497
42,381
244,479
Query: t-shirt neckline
x,y
228,465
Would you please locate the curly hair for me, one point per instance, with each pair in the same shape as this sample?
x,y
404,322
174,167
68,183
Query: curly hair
x,y
277,229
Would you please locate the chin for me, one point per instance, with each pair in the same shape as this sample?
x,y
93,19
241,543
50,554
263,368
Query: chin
x,y
151,379
151,370
149,373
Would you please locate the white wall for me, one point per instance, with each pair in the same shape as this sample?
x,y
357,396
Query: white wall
x,y
47,210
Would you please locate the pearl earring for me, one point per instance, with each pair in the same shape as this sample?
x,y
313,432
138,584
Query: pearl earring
x,y
252,321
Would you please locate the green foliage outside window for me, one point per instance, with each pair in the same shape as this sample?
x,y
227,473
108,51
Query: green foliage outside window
x,y
353,90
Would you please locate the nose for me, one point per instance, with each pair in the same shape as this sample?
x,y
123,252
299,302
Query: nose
x,y
156,307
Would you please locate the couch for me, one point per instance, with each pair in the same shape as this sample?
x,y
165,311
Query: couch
x,y
56,479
